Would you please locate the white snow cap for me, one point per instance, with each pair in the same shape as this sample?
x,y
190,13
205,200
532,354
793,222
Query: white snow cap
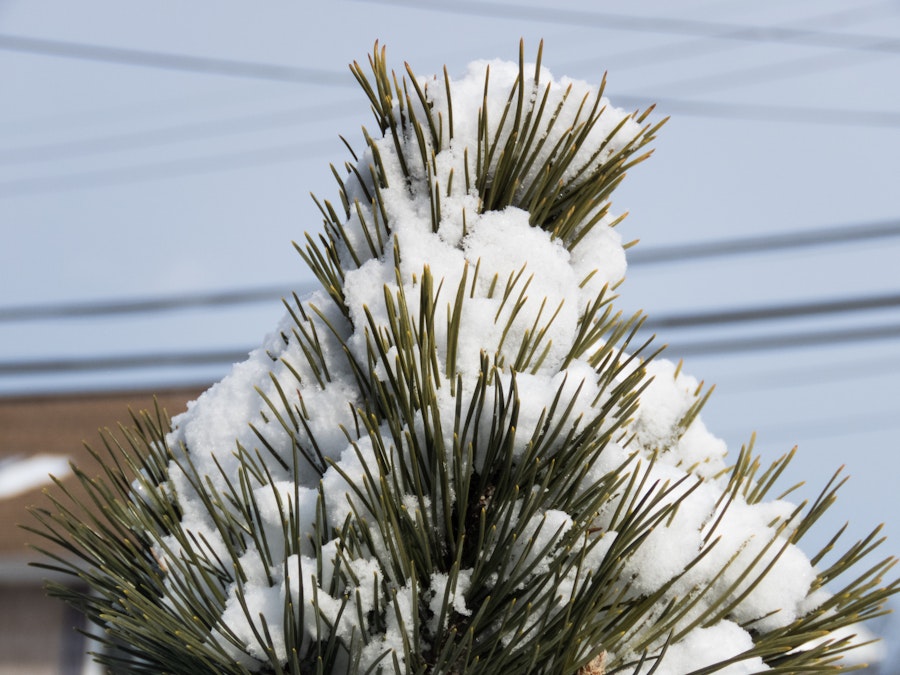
x,y
514,279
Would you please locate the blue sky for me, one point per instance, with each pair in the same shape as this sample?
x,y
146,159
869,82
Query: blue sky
x,y
122,181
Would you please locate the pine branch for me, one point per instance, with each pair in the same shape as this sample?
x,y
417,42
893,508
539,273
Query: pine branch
x,y
444,468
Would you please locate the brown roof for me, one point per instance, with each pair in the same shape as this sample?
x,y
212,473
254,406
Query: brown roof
x,y
60,425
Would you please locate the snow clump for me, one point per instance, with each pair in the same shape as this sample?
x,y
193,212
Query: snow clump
x,y
296,412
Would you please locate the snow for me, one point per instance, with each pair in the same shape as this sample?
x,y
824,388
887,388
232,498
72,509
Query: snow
x,y
300,421
706,646
18,475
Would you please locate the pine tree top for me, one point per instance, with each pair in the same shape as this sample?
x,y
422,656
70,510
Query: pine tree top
x,y
455,457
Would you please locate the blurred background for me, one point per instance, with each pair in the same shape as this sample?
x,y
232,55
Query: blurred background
x,y
156,160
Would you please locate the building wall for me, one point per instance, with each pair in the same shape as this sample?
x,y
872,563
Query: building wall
x,y
38,634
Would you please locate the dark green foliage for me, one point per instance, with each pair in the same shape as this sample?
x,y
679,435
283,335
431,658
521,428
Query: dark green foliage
x,y
446,494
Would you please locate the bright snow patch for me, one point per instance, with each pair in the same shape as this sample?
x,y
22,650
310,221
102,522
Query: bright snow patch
x,y
19,475
476,255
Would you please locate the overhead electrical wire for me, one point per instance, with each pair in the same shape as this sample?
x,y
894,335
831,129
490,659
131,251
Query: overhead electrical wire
x,y
37,185
782,69
259,122
168,169
117,307
177,62
645,256
704,46
557,15
807,376
805,339
143,306
879,46
201,130
682,106
813,238
705,348
175,133
253,123
719,30
154,107
760,313
292,74
624,60
766,72
122,362
800,431
762,112
271,155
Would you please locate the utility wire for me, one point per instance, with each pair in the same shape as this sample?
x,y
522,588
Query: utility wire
x,y
80,310
798,431
653,24
879,46
251,123
266,121
707,348
667,53
154,107
806,339
167,170
828,236
556,15
761,112
178,62
760,74
190,131
283,153
119,307
766,72
780,70
772,312
633,58
125,362
623,60
663,254
807,376
682,106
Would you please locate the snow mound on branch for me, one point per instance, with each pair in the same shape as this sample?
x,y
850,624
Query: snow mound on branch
x,y
515,278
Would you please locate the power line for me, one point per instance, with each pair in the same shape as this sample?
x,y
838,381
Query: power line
x,y
166,170
125,362
646,24
176,62
626,60
762,112
818,375
832,427
190,131
806,65
153,108
784,33
115,142
785,69
295,74
806,339
772,312
283,153
119,307
78,310
663,254
644,56
851,233
710,348
261,122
